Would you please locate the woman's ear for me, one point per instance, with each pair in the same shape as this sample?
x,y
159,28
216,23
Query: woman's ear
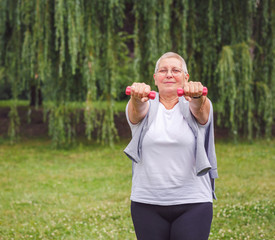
x,y
187,76
155,80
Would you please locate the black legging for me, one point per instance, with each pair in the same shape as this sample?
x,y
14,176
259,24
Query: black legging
x,y
177,222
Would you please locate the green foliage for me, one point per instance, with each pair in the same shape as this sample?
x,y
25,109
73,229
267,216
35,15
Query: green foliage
x,y
71,49
14,123
62,124
80,50
90,117
227,83
235,88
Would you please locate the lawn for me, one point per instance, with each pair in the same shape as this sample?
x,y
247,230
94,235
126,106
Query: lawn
x,y
83,192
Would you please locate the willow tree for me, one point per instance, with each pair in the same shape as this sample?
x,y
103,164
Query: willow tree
x,y
228,46
76,50
250,41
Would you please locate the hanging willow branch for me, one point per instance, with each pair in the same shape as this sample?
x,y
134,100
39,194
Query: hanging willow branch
x,y
245,100
108,130
146,39
227,88
235,89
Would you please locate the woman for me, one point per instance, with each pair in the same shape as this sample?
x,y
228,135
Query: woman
x,y
173,153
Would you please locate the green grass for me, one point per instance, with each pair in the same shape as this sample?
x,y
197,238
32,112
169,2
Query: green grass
x,y
83,193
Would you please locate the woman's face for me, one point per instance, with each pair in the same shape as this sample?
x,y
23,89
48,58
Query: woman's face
x,y
170,76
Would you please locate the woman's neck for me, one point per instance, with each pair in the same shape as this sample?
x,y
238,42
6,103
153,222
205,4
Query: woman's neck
x,y
169,102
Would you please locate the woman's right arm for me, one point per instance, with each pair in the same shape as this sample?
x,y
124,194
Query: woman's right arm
x,y
138,104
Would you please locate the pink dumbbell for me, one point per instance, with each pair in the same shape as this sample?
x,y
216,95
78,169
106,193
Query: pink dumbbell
x,y
151,95
181,91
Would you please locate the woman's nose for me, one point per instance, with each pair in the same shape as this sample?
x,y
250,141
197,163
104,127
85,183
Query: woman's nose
x,y
169,74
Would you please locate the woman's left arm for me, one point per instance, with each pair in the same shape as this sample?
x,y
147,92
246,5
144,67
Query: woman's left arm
x,y
200,108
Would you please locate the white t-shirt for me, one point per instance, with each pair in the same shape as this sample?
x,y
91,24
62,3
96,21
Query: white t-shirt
x,y
166,174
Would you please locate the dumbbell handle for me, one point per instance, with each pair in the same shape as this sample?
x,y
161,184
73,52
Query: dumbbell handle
x,y
151,95
181,91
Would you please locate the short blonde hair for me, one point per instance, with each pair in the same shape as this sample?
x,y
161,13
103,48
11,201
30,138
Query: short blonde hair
x,y
172,55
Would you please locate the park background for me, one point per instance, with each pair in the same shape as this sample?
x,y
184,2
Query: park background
x,y
64,67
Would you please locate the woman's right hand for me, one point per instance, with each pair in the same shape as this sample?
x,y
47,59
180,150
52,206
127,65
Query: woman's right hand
x,y
138,105
140,91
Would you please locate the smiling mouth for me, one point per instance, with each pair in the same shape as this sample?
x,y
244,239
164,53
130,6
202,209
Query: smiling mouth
x,y
169,82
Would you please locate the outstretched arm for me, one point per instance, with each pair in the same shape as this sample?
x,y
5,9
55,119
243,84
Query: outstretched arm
x,y
200,108
199,105
138,104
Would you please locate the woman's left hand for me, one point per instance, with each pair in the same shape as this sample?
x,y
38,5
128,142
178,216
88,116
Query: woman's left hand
x,y
192,89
